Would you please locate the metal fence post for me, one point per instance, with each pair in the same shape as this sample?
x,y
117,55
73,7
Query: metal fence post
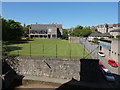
x,y
30,49
56,50
70,51
18,49
43,50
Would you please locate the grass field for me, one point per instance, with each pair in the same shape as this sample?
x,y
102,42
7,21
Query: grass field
x,y
52,48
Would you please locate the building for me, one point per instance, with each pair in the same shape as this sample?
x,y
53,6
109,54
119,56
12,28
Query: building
x,y
115,32
98,35
50,31
109,28
111,48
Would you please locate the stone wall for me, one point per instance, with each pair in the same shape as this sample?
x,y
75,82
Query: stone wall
x,y
54,68
74,39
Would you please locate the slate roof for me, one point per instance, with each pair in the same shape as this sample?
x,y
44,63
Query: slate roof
x,y
116,30
45,26
98,34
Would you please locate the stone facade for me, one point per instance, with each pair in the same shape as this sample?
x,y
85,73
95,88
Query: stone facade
x,y
108,28
45,31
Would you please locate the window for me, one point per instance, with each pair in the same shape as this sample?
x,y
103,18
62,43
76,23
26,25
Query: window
x,y
49,30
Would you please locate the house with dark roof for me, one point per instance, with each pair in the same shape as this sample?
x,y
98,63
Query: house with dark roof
x,y
115,32
98,35
50,31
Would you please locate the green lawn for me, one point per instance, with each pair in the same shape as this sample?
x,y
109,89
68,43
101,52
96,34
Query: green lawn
x,y
48,48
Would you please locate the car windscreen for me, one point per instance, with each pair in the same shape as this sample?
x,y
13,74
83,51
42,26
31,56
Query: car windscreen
x,y
112,61
101,52
108,73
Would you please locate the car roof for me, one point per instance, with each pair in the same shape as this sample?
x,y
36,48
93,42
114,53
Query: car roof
x,y
106,70
100,63
102,67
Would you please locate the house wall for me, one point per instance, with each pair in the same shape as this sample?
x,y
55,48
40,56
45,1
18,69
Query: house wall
x,y
106,52
114,33
102,30
115,50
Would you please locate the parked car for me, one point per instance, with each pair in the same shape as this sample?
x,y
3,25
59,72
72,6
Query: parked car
x,y
112,63
108,75
101,66
101,54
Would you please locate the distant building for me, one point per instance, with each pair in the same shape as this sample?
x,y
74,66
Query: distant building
x,y
98,35
108,28
51,31
115,32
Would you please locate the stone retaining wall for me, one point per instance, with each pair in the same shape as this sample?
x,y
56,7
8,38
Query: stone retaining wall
x,y
54,68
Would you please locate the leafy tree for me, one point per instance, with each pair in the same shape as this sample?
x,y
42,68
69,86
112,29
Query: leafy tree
x,y
76,31
65,34
26,30
78,28
96,40
85,32
118,36
80,31
11,30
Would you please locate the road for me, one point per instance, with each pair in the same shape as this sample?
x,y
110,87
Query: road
x,y
93,50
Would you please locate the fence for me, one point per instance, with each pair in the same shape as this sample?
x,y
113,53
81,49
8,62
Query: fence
x,y
46,50
90,47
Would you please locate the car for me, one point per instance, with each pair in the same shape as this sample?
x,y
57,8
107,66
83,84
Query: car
x,y
101,66
101,54
108,75
112,63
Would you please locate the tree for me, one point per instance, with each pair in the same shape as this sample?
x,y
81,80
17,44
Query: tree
x,y
85,32
76,31
65,34
11,30
78,27
26,30
118,36
96,40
